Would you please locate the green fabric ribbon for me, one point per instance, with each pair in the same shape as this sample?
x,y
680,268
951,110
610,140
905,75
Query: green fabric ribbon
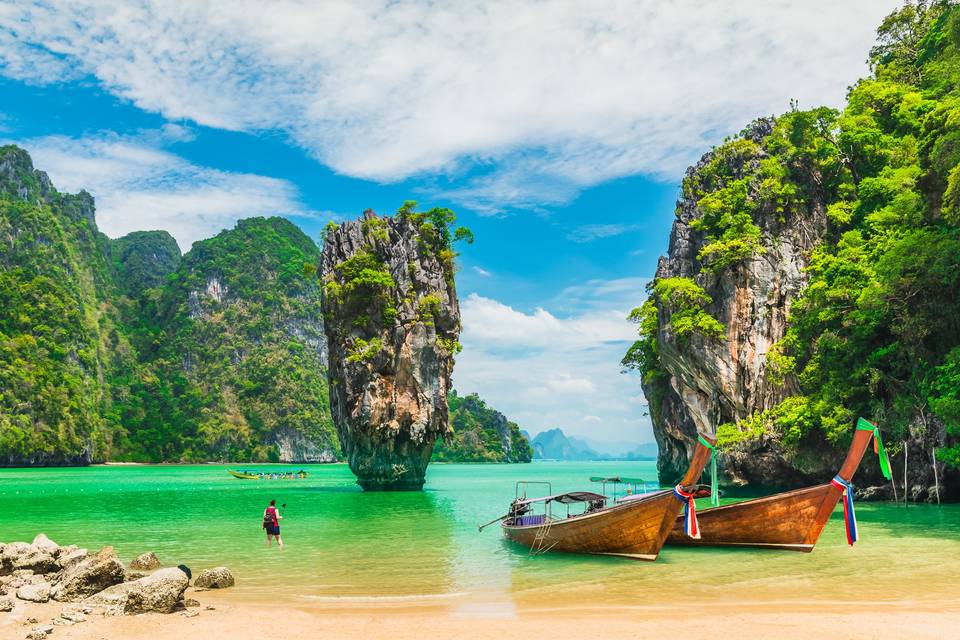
x,y
714,489
865,425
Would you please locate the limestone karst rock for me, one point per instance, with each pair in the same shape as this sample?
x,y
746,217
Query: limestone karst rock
x,y
392,322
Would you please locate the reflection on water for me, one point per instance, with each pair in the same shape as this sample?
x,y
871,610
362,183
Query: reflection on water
x,y
344,543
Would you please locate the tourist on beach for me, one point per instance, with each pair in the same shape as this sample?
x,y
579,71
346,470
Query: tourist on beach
x,y
271,522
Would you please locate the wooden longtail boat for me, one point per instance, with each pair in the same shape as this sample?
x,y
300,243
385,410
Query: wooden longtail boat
x,y
791,520
268,475
634,526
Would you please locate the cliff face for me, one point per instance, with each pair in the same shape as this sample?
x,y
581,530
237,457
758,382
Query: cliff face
x,y
119,349
813,276
392,321
239,350
60,343
712,382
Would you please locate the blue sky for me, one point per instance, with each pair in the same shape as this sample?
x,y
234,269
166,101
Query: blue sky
x,y
558,132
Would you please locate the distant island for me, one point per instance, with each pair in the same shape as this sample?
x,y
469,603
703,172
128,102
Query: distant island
x,y
554,444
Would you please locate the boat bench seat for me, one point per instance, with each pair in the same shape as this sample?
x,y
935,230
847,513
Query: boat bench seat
x,y
526,521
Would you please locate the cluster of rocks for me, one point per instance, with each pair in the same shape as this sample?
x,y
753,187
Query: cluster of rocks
x,y
43,571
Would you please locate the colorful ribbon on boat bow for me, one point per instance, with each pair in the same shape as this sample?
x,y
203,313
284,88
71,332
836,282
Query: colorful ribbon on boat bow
x,y
689,512
849,517
865,425
714,490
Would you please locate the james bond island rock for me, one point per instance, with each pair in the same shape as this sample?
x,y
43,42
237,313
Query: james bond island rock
x,y
813,276
392,323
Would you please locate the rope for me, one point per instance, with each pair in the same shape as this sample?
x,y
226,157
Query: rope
x,y
714,489
689,512
849,517
865,425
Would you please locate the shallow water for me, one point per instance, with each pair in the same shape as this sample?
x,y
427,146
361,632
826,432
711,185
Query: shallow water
x,y
344,545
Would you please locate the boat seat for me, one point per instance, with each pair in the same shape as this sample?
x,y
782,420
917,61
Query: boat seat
x,y
526,521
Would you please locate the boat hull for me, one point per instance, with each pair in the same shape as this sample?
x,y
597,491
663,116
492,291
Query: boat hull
x,y
790,521
635,529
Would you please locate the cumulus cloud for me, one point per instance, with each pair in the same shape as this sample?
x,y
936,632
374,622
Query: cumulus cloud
x,y
139,185
544,97
551,368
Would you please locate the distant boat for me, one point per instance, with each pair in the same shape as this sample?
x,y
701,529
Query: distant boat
x,y
268,475
792,520
633,526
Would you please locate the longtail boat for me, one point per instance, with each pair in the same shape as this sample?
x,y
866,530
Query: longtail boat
x,y
633,526
268,475
792,520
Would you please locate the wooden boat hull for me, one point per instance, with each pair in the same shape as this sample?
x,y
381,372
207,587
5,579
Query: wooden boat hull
x,y
635,529
246,476
783,521
792,520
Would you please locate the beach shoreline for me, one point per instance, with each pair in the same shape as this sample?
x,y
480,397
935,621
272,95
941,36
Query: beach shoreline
x,y
222,615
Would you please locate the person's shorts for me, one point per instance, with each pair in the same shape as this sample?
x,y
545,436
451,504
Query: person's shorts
x,y
273,530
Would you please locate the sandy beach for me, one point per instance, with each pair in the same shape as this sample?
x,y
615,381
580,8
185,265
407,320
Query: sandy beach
x,y
233,617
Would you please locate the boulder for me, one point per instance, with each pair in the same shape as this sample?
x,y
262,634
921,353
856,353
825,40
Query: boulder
x,y
11,553
39,592
89,576
37,561
130,576
161,591
43,543
145,562
216,578
6,604
69,557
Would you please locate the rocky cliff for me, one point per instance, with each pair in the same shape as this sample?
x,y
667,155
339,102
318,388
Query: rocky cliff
x,y
392,322
812,276
119,349
238,349
61,340
715,381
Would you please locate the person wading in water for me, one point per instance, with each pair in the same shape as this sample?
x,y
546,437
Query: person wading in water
x,y
271,522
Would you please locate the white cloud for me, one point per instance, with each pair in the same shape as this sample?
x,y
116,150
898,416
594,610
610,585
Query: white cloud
x,y
138,185
482,272
590,232
547,369
547,96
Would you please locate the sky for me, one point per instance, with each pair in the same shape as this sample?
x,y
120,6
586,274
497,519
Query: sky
x,y
558,131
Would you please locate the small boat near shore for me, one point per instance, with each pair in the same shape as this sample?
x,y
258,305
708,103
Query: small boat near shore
x,y
792,520
634,525
268,475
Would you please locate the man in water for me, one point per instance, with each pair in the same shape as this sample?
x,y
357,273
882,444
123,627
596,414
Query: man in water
x,y
271,522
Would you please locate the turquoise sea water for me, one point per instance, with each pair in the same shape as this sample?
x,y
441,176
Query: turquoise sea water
x,y
344,545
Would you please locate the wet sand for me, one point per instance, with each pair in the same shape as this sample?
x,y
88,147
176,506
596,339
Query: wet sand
x,y
239,618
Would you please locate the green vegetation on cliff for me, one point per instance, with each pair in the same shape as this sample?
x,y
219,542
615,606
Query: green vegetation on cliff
x,y
876,330
236,368
480,434
61,342
120,349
